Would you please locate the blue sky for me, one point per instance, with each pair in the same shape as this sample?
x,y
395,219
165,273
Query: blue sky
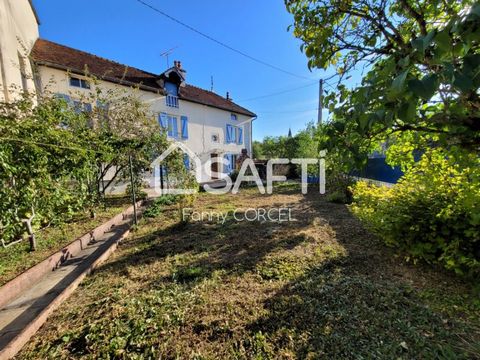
x,y
130,33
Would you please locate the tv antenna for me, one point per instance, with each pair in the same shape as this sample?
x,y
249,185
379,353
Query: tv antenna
x,y
167,53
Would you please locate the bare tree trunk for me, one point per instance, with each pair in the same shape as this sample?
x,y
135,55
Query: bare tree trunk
x,y
31,235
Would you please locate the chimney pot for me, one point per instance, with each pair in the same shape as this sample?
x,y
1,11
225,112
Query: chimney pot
x,y
228,95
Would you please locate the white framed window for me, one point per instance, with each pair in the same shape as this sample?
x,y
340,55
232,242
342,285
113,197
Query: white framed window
x,y
78,82
234,134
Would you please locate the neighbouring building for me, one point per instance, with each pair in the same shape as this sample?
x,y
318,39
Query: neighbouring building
x,y
18,34
210,125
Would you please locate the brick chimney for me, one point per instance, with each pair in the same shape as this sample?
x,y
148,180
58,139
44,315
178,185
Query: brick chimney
x,y
228,96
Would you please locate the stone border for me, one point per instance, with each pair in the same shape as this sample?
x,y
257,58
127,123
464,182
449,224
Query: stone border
x,y
24,336
12,289
21,282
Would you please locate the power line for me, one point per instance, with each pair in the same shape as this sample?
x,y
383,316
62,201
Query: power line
x,y
278,92
220,42
286,112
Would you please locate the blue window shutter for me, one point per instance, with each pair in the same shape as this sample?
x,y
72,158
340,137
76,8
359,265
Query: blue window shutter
x,y
170,126
87,107
77,106
175,127
186,161
184,127
162,119
227,134
63,97
240,136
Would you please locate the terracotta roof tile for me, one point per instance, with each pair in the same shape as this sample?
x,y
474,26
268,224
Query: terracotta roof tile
x,y
62,57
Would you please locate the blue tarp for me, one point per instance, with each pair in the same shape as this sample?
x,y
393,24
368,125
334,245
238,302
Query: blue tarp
x,y
378,169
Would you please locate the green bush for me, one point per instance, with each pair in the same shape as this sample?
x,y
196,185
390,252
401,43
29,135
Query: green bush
x,y
338,187
432,214
157,206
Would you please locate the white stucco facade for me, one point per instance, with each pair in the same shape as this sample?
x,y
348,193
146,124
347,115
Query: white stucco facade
x,y
18,33
210,126
205,123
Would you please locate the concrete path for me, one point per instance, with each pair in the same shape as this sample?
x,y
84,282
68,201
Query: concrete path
x,y
22,317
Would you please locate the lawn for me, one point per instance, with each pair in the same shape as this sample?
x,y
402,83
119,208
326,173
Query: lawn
x,y
18,258
317,287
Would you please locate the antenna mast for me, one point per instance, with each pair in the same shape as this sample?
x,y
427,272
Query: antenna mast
x,y
166,55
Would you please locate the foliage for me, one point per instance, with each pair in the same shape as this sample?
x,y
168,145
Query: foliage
x,y
257,150
209,290
303,145
44,164
123,127
16,259
433,213
156,208
423,63
418,94
55,155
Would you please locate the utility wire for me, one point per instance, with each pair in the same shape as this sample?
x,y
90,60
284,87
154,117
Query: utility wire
x,y
286,112
220,42
278,92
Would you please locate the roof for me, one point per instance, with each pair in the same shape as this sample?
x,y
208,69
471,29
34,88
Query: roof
x,y
62,57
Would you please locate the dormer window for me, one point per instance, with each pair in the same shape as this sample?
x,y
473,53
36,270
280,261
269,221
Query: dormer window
x,y
80,83
172,94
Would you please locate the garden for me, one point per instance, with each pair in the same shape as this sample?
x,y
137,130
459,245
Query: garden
x,y
364,271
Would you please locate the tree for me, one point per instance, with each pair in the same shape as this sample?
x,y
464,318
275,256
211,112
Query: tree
x,y
44,166
54,155
423,68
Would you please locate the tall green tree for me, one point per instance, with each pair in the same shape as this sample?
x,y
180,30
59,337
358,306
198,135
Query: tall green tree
x,y
422,65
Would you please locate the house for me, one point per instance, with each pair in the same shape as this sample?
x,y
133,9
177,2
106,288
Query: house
x,y
18,34
210,125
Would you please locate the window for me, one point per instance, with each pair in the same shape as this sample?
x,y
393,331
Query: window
x,y
172,101
172,126
80,107
172,94
230,164
233,117
80,83
234,135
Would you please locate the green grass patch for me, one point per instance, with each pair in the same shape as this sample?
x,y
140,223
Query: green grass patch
x,y
319,287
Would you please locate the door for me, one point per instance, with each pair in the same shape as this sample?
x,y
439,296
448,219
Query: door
x,y
214,166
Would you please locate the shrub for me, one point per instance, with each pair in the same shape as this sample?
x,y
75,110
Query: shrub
x,y
338,187
433,213
156,208
337,197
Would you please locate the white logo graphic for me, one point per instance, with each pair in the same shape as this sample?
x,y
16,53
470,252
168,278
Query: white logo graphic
x,y
247,167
